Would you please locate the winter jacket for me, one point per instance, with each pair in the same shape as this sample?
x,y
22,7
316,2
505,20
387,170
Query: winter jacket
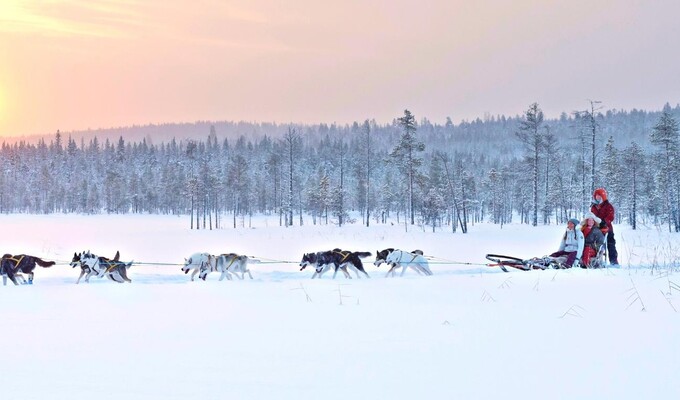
x,y
593,237
605,212
573,241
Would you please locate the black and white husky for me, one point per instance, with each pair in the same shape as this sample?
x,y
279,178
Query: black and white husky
x,y
312,260
336,259
227,264
91,264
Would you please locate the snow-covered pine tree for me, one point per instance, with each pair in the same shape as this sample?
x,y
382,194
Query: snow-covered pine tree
x,y
550,149
591,120
291,143
611,174
452,186
406,157
665,135
434,204
531,136
633,164
366,128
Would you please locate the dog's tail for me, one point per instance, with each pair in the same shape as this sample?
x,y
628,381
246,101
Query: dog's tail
x,y
362,254
44,264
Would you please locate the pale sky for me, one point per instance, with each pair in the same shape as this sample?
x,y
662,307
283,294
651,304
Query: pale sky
x,y
73,64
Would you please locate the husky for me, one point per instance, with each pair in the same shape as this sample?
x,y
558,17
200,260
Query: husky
x,y
399,258
85,270
91,264
227,264
16,277
321,262
337,259
381,256
196,262
343,259
12,267
312,260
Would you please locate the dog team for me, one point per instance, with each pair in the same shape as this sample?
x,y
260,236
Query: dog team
x,y
228,265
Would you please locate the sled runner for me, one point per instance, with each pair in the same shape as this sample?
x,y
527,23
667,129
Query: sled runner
x,y
525,265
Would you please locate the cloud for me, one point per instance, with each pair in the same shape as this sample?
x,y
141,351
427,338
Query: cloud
x,y
93,18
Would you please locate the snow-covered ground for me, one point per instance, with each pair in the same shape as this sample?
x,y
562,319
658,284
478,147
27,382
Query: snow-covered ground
x,y
469,331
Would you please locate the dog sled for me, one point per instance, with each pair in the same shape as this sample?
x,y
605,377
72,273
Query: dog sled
x,y
598,260
545,262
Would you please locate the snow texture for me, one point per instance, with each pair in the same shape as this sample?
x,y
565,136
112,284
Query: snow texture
x,y
468,331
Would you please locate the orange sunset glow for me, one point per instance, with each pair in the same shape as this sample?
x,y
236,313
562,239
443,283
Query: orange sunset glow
x,y
73,65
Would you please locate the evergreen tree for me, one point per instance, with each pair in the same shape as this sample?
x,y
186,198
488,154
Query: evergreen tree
x,y
633,163
612,177
550,149
291,142
405,154
665,135
530,135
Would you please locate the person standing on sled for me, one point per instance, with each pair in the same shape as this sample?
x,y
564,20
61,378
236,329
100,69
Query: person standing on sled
x,y
572,244
593,239
604,216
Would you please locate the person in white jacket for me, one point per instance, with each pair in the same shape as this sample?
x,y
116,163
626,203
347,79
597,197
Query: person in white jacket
x,y
571,245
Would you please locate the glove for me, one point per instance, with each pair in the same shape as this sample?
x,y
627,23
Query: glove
x,y
594,217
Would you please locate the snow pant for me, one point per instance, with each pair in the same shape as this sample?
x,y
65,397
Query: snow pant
x,y
571,256
588,253
611,248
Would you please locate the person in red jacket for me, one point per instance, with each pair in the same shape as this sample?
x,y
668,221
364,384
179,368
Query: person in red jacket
x,y
594,239
604,215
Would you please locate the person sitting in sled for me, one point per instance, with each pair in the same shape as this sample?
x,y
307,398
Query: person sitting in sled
x,y
593,239
571,245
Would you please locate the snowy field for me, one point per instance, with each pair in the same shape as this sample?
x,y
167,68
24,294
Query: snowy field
x,y
468,332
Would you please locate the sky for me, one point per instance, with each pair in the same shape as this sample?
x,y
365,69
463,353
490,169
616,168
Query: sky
x,y
74,65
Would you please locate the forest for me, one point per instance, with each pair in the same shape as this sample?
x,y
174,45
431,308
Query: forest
x,y
498,169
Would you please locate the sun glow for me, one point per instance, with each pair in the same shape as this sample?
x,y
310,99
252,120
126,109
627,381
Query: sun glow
x,y
98,18
16,17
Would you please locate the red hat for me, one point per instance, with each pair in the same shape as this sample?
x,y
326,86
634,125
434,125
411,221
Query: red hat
x,y
601,192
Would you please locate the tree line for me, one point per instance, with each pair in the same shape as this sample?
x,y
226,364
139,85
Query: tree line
x,y
444,176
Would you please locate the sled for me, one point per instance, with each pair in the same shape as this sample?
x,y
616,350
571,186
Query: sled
x,y
525,265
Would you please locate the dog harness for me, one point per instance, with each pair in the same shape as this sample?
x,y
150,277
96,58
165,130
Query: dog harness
x,y
232,260
17,260
344,254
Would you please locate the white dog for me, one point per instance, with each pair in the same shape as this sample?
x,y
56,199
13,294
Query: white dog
x,y
403,259
228,264
196,262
